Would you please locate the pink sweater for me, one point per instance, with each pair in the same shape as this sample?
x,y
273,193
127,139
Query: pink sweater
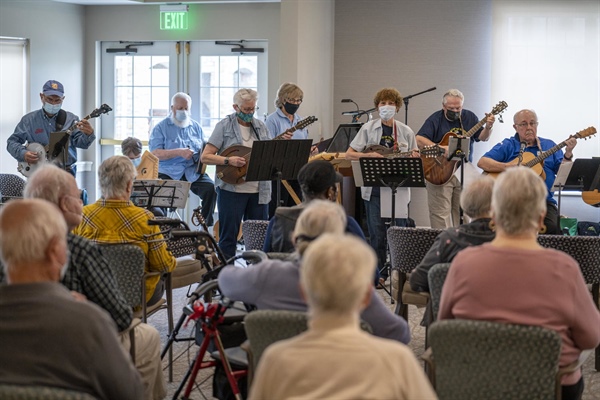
x,y
528,287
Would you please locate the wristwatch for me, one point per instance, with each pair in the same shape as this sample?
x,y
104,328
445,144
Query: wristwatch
x,y
226,162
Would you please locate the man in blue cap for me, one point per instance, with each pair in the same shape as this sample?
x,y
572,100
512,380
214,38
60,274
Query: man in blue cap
x,y
36,126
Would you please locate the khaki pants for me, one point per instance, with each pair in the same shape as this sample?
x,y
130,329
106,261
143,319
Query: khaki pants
x,y
444,204
147,359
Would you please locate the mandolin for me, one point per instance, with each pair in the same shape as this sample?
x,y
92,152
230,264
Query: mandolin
x,y
389,152
236,175
438,170
27,169
535,162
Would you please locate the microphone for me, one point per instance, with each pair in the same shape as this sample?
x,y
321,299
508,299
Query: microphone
x,y
347,101
164,221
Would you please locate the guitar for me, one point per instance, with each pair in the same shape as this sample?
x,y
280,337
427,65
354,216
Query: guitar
x,y
389,152
235,175
438,170
591,197
27,169
535,162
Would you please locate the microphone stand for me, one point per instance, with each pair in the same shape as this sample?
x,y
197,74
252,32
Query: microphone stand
x,y
407,98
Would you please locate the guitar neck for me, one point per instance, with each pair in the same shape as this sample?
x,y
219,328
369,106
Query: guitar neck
x,y
73,127
545,154
475,128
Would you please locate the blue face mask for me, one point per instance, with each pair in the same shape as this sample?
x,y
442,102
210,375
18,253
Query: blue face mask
x,y
52,108
245,117
136,161
181,115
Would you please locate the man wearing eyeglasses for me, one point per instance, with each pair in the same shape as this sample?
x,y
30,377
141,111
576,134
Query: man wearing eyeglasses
x,y
36,126
499,158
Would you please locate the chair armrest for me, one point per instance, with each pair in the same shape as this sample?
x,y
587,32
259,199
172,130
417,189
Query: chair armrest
x,y
248,349
427,356
574,366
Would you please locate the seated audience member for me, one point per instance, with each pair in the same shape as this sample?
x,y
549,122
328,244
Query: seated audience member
x,y
48,337
317,180
131,148
114,219
334,358
274,284
475,200
514,280
88,273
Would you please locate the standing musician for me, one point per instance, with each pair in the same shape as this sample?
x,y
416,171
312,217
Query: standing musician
x,y
444,200
288,100
496,160
389,133
36,126
248,200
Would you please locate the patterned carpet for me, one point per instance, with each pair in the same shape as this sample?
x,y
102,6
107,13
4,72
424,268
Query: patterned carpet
x,y
181,365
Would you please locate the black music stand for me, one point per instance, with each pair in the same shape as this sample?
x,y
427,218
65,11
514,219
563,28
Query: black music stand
x,y
583,176
58,145
343,136
458,148
277,160
160,193
392,173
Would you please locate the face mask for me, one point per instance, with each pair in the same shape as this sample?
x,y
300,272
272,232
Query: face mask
x,y
136,161
245,117
52,108
387,112
291,108
452,115
181,115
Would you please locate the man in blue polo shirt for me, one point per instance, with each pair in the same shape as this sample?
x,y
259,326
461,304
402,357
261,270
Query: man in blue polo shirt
x,y
36,126
498,158
177,141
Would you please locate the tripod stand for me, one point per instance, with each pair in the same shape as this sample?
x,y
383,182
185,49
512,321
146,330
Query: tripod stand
x,y
459,148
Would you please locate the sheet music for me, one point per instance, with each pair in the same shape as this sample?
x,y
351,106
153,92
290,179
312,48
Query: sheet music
x,y
164,193
563,174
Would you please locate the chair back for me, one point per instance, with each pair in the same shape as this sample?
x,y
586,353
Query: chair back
x,y
254,233
21,392
127,262
11,186
436,277
584,249
408,246
490,360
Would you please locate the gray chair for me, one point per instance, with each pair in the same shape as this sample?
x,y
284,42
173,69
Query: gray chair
x,y
11,186
436,278
490,360
586,251
22,392
408,246
254,233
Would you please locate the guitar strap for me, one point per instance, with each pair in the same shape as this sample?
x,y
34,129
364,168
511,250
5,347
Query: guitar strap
x,y
537,139
61,118
255,132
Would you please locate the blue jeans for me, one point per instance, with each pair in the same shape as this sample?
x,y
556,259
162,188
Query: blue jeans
x,y
233,207
378,229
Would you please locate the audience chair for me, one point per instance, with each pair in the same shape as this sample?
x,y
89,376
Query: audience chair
x,y
408,246
436,277
586,251
254,233
30,392
11,186
490,360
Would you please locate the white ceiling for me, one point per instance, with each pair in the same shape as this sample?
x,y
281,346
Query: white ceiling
x,y
142,2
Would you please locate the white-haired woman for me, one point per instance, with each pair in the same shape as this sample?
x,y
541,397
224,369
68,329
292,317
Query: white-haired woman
x,y
515,280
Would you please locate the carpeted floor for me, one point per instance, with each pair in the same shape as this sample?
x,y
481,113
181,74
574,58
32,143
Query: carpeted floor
x,y
204,387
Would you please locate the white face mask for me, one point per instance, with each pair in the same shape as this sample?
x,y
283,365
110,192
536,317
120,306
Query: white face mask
x,y
136,161
181,115
387,112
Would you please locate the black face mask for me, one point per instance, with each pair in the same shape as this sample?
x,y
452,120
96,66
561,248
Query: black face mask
x,y
452,115
291,108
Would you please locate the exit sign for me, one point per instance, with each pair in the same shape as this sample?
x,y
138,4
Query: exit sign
x,y
173,20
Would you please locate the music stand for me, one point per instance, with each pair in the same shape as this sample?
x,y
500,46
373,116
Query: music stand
x,y
277,160
58,147
582,175
392,173
160,193
343,136
458,148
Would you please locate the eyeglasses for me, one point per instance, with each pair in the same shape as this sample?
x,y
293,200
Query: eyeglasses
x,y
248,110
525,124
294,101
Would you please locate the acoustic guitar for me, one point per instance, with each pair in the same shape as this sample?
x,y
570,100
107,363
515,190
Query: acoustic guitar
x,y
535,162
27,169
236,175
438,170
591,197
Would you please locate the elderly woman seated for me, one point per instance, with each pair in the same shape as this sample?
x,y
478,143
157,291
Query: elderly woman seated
x,y
274,284
114,219
514,280
334,358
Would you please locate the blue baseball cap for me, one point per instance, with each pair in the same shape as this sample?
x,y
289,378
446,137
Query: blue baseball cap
x,y
53,88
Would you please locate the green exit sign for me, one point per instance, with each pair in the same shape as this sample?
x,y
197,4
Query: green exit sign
x,y
173,20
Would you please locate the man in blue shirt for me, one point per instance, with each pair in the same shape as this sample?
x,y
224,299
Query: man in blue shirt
x,y
498,158
177,141
444,199
36,126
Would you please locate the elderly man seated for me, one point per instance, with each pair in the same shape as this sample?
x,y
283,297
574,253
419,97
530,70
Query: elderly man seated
x,y
274,284
334,358
114,219
48,337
